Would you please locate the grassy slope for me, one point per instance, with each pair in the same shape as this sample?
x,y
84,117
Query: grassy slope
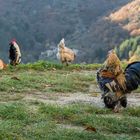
x,y
33,120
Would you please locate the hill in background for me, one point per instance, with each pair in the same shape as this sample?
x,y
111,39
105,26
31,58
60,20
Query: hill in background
x,y
39,25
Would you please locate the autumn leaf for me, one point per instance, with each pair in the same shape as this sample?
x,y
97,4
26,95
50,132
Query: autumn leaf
x,y
15,78
90,128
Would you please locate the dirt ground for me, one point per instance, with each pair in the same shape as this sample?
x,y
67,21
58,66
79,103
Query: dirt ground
x,y
92,97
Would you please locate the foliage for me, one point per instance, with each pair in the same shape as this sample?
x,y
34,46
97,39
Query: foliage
x,y
129,48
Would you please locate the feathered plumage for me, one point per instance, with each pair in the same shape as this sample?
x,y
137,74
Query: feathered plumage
x,y
112,78
2,65
65,55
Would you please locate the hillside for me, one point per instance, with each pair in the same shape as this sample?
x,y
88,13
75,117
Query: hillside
x,y
128,17
39,25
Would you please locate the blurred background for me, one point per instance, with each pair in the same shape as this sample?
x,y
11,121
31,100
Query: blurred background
x,y
90,27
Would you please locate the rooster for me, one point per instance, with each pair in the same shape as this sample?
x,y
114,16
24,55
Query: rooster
x,y
65,55
115,83
14,53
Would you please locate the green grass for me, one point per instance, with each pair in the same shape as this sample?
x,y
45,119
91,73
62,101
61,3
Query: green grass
x,y
59,81
35,120
43,65
20,121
